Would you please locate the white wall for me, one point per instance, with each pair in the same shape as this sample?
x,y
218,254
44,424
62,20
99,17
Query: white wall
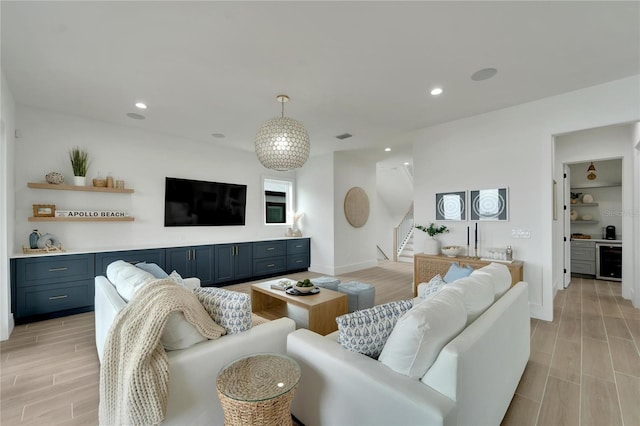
x,y
513,147
7,216
605,143
355,248
143,160
314,195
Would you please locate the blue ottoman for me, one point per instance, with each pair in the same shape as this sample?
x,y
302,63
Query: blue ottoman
x,y
360,295
326,282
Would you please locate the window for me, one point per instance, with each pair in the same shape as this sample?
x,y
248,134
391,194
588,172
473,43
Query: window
x,y
278,201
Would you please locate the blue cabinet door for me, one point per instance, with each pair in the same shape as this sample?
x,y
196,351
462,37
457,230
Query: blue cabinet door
x,y
243,268
202,264
177,259
224,262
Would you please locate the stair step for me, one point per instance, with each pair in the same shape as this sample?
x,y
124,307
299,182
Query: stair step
x,y
405,259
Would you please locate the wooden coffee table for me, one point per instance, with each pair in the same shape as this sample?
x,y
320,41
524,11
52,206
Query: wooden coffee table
x,y
316,312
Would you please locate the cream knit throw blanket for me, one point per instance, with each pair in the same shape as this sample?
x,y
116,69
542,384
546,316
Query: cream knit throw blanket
x,y
134,375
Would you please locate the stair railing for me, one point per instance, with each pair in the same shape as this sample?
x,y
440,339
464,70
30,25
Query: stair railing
x,y
402,233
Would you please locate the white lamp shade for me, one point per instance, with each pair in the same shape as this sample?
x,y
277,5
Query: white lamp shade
x,y
282,143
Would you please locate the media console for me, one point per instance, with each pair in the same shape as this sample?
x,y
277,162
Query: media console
x,y
60,284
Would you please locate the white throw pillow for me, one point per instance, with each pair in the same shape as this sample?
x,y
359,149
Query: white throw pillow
x,y
366,331
179,333
500,276
428,290
421,333
477,293
127,278
230,309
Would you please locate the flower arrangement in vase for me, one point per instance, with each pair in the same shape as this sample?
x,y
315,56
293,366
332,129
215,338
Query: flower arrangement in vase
x,y
432,244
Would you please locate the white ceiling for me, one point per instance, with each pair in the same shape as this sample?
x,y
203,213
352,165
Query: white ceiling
x,y
358,67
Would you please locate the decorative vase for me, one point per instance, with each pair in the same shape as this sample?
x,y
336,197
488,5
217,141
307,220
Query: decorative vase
x,y
79,180
33,239
431,246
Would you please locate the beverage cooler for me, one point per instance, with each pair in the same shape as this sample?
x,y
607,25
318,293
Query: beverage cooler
x,y
609,261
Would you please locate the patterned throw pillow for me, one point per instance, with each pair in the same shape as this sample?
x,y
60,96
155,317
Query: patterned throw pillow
x,y
428,290
366,331
230,309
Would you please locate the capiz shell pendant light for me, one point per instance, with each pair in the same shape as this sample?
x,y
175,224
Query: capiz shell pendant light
x,y
282,143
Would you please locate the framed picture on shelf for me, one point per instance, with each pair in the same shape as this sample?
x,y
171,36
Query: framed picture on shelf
x,y
451,206
489,204
44,210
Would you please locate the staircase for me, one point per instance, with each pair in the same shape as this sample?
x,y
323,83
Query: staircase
x,y
406,255
403,238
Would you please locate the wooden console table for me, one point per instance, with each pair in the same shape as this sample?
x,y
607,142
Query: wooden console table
x,y
427,266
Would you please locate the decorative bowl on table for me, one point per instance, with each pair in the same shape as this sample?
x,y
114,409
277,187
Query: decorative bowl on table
x,y
304,286
451,251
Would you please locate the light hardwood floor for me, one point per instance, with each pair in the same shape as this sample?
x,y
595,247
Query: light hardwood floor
x,y
584,367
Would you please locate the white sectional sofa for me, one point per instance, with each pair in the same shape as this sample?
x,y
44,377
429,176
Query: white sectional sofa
x,y
471,382
193,371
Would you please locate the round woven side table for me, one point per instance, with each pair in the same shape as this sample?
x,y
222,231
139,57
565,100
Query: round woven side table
x,y
258,389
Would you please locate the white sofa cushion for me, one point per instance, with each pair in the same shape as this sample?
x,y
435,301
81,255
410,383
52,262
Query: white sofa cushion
x,y
153,269
178,333
230,309
477,292
127,278
500,276
423,331
428,290
366,331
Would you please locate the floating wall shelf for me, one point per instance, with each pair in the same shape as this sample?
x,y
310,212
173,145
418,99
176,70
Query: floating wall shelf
x,y
39,185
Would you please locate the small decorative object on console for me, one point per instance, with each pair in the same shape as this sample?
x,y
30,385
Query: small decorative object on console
x,y
451,251
54,178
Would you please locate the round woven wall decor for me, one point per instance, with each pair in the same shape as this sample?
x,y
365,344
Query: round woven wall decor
x,y
356,207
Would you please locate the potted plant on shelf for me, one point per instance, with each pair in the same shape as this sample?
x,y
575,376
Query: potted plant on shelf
x,y
79,163
432,244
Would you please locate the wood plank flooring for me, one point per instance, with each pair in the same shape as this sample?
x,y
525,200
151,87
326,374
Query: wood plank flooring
x,y
584,367
583,370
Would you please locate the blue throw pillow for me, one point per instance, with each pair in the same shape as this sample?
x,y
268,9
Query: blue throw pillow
x,y
456,272
153,269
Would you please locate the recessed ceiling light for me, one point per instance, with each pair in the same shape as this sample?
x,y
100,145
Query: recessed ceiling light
x,y
437,91
387,149
484,74
141,105
406,163
218,135
135,116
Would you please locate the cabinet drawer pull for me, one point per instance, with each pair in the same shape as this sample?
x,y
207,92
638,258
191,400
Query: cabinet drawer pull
x,y
270,248
58,269
271,265
299,246
64,296
298,261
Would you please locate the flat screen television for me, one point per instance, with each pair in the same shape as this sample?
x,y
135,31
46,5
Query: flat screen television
x,y
200,203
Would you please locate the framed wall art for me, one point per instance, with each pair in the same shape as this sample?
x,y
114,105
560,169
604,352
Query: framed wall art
x,y
451,206
489,204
